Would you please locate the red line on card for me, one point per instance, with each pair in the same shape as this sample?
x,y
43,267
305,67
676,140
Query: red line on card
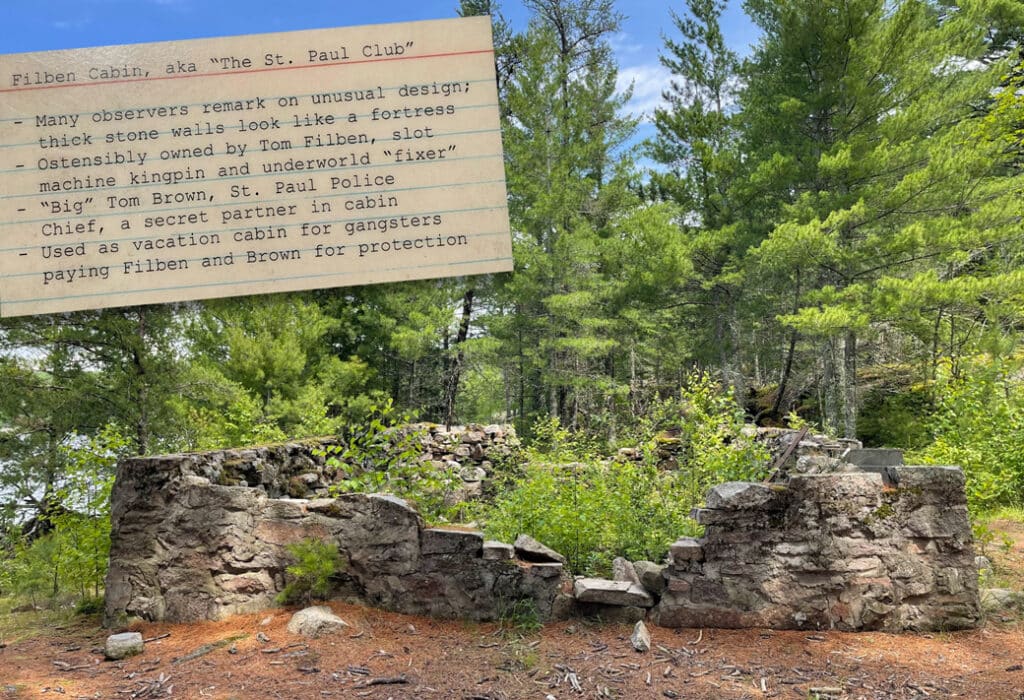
x,y
58,86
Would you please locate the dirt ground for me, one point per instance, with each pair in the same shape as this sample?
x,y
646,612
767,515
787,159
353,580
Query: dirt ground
x,y
384,655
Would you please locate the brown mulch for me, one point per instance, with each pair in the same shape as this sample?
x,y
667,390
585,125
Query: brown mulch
x,y
384,655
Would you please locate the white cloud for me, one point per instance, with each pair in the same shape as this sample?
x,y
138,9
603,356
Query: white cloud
x,y
649,81
65,24
623,44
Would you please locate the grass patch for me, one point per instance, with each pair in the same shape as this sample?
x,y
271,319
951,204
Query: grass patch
x,y
999,535
1012,513
17,624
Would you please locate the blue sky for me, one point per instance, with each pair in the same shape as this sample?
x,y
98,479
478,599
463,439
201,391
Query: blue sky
x,y
39,25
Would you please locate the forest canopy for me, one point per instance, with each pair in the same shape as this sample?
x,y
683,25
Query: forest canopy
x,y
832,229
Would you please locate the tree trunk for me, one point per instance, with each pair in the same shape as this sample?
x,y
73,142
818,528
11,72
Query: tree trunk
x,y
142,422
850,385
830,388
787,370
454,374
790,353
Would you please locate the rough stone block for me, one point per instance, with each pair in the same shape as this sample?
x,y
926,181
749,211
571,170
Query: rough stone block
x,y
935,522
622,570
652,576
251,582
472,474
498,551
529,549
739,495
473,437
706,516
546,570
937,485
828,489
874,457
675,584
444,541
686,549
641,637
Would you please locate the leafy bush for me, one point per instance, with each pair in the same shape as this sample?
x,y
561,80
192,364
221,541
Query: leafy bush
x,y
592,512
592,509
704,428
315,563
90,605
979,425
384,455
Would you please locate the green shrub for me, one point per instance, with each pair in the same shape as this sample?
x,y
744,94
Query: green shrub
x,y
90,605
896,413
521,616
384,455
592,512
592,509
979,425
704,427
310,574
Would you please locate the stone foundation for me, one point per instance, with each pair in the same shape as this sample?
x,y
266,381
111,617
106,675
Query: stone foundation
x,y
202,536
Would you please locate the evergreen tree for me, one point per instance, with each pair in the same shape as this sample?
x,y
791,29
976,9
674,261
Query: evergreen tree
x,y
562,128
696,143
866,115
74,374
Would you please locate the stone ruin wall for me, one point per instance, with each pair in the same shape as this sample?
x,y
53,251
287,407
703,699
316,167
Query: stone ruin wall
x,y
201,536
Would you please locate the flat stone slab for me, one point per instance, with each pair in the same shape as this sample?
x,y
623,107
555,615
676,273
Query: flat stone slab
x,y
121,646
874,457
529,549
606,592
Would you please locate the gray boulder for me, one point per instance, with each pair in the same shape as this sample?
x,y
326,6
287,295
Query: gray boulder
x,y
123,645
995,600
315,622
652,576
622,570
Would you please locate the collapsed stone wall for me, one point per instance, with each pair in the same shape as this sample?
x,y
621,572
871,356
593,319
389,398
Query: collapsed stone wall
x,y
851,551
202,536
